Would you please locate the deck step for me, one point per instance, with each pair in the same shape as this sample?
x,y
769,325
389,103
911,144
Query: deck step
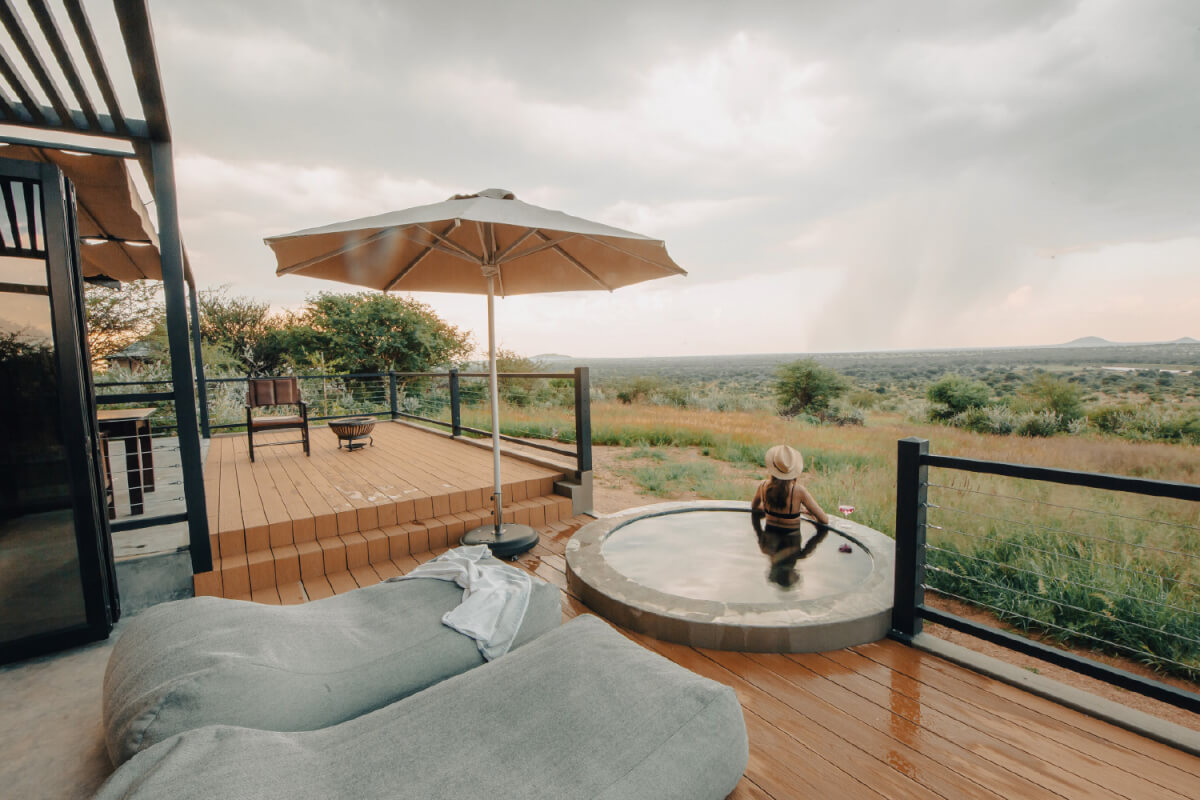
x,y
553,537
544,561
338,562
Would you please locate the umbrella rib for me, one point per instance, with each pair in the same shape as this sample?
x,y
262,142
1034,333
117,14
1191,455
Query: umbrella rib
x,y
501,257
429,248
535,249
452,245
407,269
576,262
337,251
673,269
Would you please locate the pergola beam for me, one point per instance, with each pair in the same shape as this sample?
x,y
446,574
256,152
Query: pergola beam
x,y
24,93
134,19
87,43
62,55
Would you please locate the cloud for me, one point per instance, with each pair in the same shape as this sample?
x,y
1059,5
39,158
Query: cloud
x,y
1019,297
682,214
744,102
902,174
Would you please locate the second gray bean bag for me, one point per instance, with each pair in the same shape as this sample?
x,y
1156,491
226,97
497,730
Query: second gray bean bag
x,y
580,713
209,660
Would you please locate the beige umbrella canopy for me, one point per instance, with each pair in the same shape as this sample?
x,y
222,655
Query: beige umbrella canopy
x,y
441,247
486,243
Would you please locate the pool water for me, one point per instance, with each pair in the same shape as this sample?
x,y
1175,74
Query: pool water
x,y
716,555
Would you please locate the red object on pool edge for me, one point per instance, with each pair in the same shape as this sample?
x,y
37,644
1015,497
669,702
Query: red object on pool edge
x,y
845,548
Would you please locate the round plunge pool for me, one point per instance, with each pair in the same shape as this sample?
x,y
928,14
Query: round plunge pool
x,y
696,573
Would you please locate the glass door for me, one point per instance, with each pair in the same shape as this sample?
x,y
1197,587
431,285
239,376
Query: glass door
x,y
56,571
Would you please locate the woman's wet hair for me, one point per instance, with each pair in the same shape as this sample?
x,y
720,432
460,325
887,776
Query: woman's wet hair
x,y
778,493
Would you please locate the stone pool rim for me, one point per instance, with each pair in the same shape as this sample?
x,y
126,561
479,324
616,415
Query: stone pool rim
x,y
832,622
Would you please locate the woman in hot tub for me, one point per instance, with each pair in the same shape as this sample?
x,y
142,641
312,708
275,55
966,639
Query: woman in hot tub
x,y
783,502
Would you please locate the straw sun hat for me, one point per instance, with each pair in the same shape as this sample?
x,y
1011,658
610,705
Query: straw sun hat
x,y
784,463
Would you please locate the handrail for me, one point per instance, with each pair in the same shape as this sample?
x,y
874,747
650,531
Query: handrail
x,y
1093,480
909,609
580,377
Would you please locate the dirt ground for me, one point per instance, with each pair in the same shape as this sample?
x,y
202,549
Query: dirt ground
x,y
615,491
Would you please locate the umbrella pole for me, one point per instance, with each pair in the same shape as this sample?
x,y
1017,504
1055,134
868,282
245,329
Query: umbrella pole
x,y
505,540
495,391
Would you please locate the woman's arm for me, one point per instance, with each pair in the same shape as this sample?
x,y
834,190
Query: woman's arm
x,y
756,510
811,504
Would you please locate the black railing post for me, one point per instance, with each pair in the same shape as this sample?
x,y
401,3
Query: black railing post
x,y
455,407
198,352
393,395
583,419
912,478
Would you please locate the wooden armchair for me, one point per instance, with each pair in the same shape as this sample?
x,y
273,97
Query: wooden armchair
x,y
268,392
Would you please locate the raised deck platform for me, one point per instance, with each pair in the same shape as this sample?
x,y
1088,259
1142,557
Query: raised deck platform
x,y
289,528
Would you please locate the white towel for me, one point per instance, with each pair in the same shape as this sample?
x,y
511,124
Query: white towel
x,y
495,596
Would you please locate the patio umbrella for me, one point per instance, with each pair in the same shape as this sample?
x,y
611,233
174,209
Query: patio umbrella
x,y
486,243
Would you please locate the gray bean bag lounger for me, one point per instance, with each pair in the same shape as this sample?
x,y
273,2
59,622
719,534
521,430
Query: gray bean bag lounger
x,y
581,712
209,660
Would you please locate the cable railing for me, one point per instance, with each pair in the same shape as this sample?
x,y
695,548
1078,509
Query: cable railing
x,y
1054,559
539,410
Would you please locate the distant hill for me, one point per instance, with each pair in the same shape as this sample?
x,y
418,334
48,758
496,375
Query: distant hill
x,y
551,357
1096,341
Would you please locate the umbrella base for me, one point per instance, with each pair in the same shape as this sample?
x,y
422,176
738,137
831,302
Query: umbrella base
x,y
512,541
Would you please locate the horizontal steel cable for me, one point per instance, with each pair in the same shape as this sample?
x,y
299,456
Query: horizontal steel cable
x,y
1070,508
1060,603
1092,536
1064,555
1072,631
1064,580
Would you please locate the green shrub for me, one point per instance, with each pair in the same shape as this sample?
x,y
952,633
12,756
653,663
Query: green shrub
x,y
1056,394
807,387
954,394
1147,423
1040,423
992,419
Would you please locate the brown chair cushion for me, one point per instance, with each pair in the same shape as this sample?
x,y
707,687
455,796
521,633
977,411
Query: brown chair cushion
x,y
276,422
272,392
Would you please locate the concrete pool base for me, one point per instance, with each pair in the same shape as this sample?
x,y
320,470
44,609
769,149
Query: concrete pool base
x,y
831,622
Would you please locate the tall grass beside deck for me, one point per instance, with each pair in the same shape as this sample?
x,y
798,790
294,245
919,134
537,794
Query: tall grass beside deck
x,y
1068,590
1103,570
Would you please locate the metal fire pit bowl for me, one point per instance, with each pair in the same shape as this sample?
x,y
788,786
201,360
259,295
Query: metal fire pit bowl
x,y
352,430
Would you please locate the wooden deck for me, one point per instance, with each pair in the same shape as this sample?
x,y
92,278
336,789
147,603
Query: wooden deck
x,y
289,528
876,721
886,721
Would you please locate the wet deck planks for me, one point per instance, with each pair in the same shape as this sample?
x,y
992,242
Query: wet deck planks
x,y
887,721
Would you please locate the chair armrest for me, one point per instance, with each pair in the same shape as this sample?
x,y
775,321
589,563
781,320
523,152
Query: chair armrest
x,y
303,409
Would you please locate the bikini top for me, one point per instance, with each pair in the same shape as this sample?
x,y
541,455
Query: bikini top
x,y
781,515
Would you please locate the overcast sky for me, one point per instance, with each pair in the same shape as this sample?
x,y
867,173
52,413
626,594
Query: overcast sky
x,y
834,176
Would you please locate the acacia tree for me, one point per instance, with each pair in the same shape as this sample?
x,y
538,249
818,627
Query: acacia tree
x,y
373,332
244,328
116,318
806,387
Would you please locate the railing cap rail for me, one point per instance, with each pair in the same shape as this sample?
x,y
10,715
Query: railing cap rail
x,y
1093,480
